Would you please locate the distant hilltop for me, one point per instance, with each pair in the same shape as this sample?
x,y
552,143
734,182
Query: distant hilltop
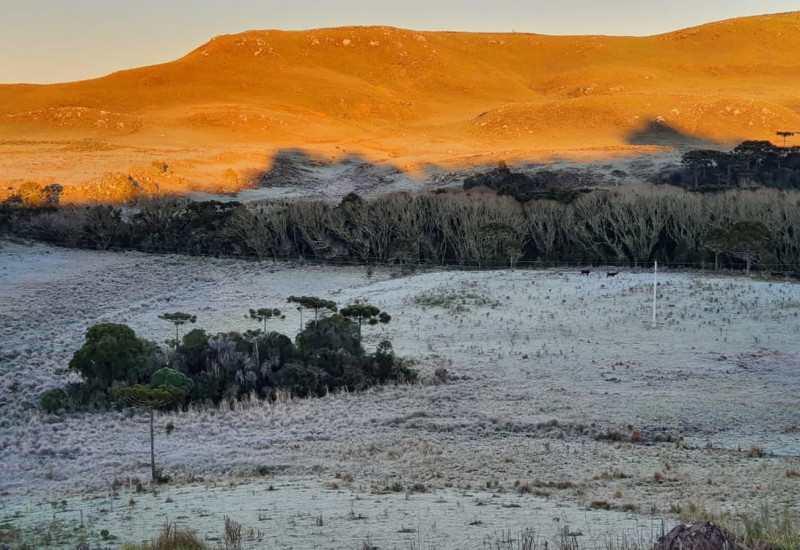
x,y
416,97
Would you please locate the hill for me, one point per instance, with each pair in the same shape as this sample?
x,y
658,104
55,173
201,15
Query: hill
x,y
406,98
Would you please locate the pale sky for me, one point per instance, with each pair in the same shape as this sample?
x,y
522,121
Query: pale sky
x,y
61,40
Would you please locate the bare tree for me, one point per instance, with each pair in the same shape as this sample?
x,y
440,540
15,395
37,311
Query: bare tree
x,y
544,221
477,230
687,221
255,228
102,224
351,223
392,216
637,221
224,357
159,219
748,240
588,224
313,220
64,225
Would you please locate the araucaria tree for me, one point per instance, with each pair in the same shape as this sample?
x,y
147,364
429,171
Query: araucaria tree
x,y
365,312
166,388
178,318
311,302
264,314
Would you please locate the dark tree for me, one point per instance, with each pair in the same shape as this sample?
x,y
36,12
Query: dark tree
x,y
331,334
697,163
365,312
111,353
311,302
151,398
192,353
178,318
264,314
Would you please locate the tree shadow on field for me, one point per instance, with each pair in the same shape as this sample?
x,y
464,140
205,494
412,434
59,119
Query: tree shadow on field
x,y
351,173
301,173
663,135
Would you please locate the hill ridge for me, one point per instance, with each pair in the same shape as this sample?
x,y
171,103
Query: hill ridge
x,y
418,96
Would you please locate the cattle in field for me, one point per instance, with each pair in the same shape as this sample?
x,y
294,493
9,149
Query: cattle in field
x,y
612,273
585,271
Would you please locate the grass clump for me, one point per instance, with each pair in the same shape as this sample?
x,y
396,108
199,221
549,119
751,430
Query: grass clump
x,y
395,487
8,533
171,537
454,301
756,452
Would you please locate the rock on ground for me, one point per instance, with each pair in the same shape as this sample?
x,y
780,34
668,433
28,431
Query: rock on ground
x,y
698,536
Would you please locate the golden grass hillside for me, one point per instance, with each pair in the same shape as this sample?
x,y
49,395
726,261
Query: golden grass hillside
x,y
406,98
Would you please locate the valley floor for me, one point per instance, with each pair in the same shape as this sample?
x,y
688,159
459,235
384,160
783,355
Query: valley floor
x,y
561,395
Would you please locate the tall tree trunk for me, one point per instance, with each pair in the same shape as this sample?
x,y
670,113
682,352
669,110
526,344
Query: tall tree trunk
x,y
152,446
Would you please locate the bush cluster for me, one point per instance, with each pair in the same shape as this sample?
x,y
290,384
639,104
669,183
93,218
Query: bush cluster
x,y
327,355
542,185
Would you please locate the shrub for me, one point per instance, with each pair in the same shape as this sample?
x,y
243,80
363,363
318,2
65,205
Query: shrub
x,y
55,401
303,380
207,385
275,349
171,538
112,353
334,333
192,352
170,377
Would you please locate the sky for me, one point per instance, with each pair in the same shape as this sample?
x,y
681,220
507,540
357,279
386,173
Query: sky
x,y
46,41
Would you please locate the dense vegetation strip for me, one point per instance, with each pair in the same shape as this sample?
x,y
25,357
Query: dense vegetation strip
x,y
499,219
736,228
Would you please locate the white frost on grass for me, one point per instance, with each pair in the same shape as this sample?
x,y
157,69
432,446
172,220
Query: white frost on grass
x,y
292,513
552,373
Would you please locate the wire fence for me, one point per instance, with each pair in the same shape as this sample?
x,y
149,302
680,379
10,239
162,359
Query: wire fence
x,y
789,270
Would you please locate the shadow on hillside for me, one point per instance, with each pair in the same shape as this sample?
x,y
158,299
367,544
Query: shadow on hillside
x,y
297,173
306,174
663,135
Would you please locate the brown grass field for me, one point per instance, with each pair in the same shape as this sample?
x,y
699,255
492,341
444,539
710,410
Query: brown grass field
x,y
406,99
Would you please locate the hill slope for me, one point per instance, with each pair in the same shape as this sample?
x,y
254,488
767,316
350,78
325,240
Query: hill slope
x,y
406,97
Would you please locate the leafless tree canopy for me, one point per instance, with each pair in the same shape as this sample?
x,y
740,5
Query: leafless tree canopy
x,y
469,228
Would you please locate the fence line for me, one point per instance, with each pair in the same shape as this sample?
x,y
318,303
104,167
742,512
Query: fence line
x,y
789,270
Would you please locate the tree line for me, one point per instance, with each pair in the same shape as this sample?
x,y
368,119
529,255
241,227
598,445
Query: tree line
x,y
751,163
737,228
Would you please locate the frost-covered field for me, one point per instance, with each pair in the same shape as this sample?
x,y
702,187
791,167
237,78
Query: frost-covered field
x,y
553,373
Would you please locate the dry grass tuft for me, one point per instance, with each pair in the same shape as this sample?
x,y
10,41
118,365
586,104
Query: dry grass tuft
x,y
756,452
171,537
